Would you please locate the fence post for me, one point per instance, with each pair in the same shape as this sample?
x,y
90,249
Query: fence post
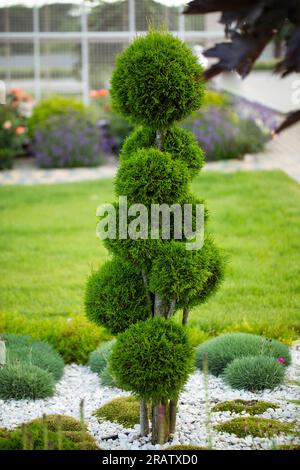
x,y
181,23
36,53
85,55
131,16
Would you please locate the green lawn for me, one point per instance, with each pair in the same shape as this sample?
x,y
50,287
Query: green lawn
x,y
48,246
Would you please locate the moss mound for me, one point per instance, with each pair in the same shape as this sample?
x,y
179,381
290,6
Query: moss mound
x,y
288,447
122,410
53,432
186,447
256,427
252,407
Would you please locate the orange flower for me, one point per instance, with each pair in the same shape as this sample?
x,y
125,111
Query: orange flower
x,y
102,92
98,93
20,130
7,125
93,93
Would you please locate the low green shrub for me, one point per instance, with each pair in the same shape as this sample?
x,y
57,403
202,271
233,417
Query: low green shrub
x,y
252,407
254,373
122,410
98,359
23,349
53,106
256,427
197,336
185,447
227,347
23,380
53,432
153,359
74,338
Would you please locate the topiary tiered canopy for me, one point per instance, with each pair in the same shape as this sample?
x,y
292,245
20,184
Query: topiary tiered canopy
x,y
156,82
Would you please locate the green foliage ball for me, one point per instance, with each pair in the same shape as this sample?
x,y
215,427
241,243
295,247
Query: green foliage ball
x,y
152,177
99,358
189,275
53,106
23,380
254,373
122,410
23,349
152,359
115,296
156,81
179,143
225,348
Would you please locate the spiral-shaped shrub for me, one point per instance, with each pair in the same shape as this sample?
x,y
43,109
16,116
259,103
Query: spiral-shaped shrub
x,y
157,82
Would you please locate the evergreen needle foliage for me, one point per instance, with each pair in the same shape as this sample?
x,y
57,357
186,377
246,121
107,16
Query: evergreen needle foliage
x,y
152,359
157,81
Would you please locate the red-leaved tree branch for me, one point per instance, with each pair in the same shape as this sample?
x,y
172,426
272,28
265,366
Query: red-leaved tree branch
x,y
249,26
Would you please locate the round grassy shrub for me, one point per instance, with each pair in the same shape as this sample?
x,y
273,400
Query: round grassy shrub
x,y
252,407
157,80
98,359
67,141
225,348
115,296
254,373
256,427
152,177
23,380
39,353
179,143
53,106
122,410
107,378
152,359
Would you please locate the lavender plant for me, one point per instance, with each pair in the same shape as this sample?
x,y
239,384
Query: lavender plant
x,y
69,140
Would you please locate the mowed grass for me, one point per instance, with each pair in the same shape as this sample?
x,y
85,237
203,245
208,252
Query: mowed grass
x,y
48,247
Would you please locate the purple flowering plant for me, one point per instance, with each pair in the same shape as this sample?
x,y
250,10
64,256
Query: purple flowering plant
x,y
67,141
223,134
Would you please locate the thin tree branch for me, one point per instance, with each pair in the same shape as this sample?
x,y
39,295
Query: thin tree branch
x,y
172,307
149,300
185,316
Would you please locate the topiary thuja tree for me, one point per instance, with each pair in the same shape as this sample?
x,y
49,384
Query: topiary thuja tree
x,y
156,82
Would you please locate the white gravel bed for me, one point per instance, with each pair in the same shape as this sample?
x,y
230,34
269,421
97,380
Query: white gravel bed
x,y
79,382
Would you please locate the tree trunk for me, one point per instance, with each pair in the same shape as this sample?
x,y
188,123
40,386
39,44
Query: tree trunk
x,y
160,423
185,316
144,420
172,414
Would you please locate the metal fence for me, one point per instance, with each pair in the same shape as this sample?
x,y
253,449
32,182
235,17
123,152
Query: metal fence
x,y
69,46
